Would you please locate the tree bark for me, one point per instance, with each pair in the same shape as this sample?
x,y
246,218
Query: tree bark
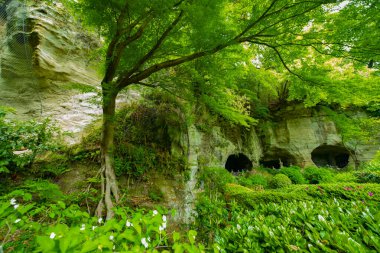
x,y
109,185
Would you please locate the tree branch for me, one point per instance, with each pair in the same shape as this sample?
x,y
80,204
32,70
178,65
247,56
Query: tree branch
x,y
259,34
263,16
125,81
156,46
117,50
281,58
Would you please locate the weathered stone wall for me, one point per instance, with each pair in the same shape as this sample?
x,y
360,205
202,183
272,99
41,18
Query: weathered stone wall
x,y
297,131
43,54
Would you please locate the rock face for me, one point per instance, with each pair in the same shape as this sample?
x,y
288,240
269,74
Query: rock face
x,y
297,136
45,70
306,137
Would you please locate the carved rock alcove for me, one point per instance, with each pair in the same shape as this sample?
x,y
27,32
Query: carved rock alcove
x,y
238,162
277,158
331,156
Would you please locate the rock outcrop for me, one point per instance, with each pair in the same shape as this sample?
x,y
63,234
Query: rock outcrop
x,y
308,136
47,71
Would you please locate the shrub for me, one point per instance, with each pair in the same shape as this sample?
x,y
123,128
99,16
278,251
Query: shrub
x,y
29,138
254,180
374,165
347,191
368,176
216,178
345,177
258,179
250,198
280,181
318,175
294,174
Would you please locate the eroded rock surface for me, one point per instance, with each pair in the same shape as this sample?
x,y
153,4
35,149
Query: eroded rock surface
x,y
47,67
299,131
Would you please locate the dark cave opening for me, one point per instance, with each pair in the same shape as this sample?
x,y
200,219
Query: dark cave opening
x,y
277,158
330,156
239,162
277,162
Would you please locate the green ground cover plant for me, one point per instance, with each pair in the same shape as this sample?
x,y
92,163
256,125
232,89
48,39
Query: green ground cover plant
x,y
304,226
53,226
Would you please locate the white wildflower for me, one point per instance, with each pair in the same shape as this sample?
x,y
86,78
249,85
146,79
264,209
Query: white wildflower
x,y
17,221
129,224
160,228
93,227
52,235
100,220
111,237
13,202
16,206
155,212
238,227
321,218
144,242
164,218
164,225
83,227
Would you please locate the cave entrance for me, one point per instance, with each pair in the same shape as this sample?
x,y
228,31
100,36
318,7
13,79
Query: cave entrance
x,y
239,162
277,158
330,156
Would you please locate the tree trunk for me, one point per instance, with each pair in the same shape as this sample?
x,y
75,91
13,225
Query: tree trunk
x,y
109,186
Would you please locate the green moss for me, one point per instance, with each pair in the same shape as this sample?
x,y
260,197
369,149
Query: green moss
x,y
82,88
155,194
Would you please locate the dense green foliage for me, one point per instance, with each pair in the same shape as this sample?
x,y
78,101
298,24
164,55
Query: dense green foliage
x,y
31,137
280,181
318,175
231,62
307,226
294,174
253,180
335,216
31,224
